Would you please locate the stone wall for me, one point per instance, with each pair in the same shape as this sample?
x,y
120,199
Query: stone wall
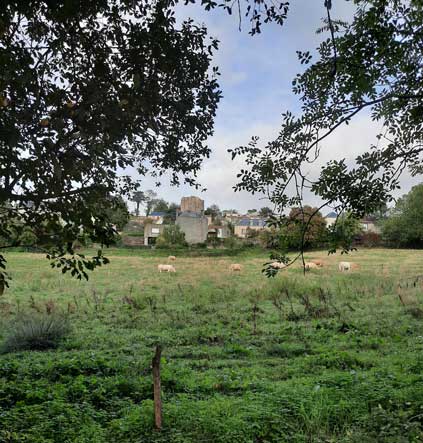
x,y
133,241
195,228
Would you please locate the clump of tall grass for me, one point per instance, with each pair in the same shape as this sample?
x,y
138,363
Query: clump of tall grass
x,y
36,332
415,312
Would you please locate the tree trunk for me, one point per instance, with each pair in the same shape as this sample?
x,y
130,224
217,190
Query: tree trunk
x,y
157,389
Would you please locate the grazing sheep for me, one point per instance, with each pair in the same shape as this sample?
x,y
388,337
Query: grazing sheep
x,y
171,258
310,265
166,268
319,263
235,267
278,265
344,266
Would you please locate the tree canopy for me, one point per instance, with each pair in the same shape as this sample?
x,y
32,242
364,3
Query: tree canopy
x,y
172,236
138,197
372,64
404,226
88,89
171,212
214,211
117,213
265,212
149,199
160,205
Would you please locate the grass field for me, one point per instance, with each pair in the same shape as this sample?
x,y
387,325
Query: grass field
x,y
325,357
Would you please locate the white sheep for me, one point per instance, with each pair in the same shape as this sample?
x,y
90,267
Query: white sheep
x,y
235,267
344,266
166,268
278,265
171,258
310,265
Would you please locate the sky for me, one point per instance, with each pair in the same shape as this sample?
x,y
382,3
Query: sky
x,y
256,76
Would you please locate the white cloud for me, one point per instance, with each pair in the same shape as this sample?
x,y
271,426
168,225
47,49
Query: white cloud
x,y
219,172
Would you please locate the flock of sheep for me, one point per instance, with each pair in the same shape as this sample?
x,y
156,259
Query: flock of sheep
x,y
343,266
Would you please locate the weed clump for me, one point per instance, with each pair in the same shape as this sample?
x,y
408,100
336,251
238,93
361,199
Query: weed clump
x,y
415,312
287,350
36,332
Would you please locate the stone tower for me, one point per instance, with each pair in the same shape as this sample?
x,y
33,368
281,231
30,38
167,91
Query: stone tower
x,y
192,204
192,221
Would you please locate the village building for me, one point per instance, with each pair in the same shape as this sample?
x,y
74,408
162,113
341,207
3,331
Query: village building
x,y
330,218
218,231
232,217
243,226
368,224
151,232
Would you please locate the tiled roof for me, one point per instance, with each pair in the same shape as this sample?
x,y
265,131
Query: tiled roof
x,y
190,214
256,222
157,214
332,215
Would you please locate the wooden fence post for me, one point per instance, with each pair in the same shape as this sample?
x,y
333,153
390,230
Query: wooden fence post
x,y
157,388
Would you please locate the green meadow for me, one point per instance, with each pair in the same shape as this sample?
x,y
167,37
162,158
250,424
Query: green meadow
x,y
321,357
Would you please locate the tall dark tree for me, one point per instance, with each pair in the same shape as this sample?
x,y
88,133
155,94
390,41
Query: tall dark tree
x,y
87,89
138,197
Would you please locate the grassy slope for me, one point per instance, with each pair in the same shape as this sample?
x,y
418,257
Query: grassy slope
x,y
350,371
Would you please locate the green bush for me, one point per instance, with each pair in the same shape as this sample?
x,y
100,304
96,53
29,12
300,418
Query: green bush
x,y
202,245
232,243
171,237
341,235
36,333
272,239
404,227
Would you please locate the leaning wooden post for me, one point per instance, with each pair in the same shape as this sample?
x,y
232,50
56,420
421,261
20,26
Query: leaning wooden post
x,y
157,388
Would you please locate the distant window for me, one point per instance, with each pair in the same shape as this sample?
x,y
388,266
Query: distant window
x,y
155,230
